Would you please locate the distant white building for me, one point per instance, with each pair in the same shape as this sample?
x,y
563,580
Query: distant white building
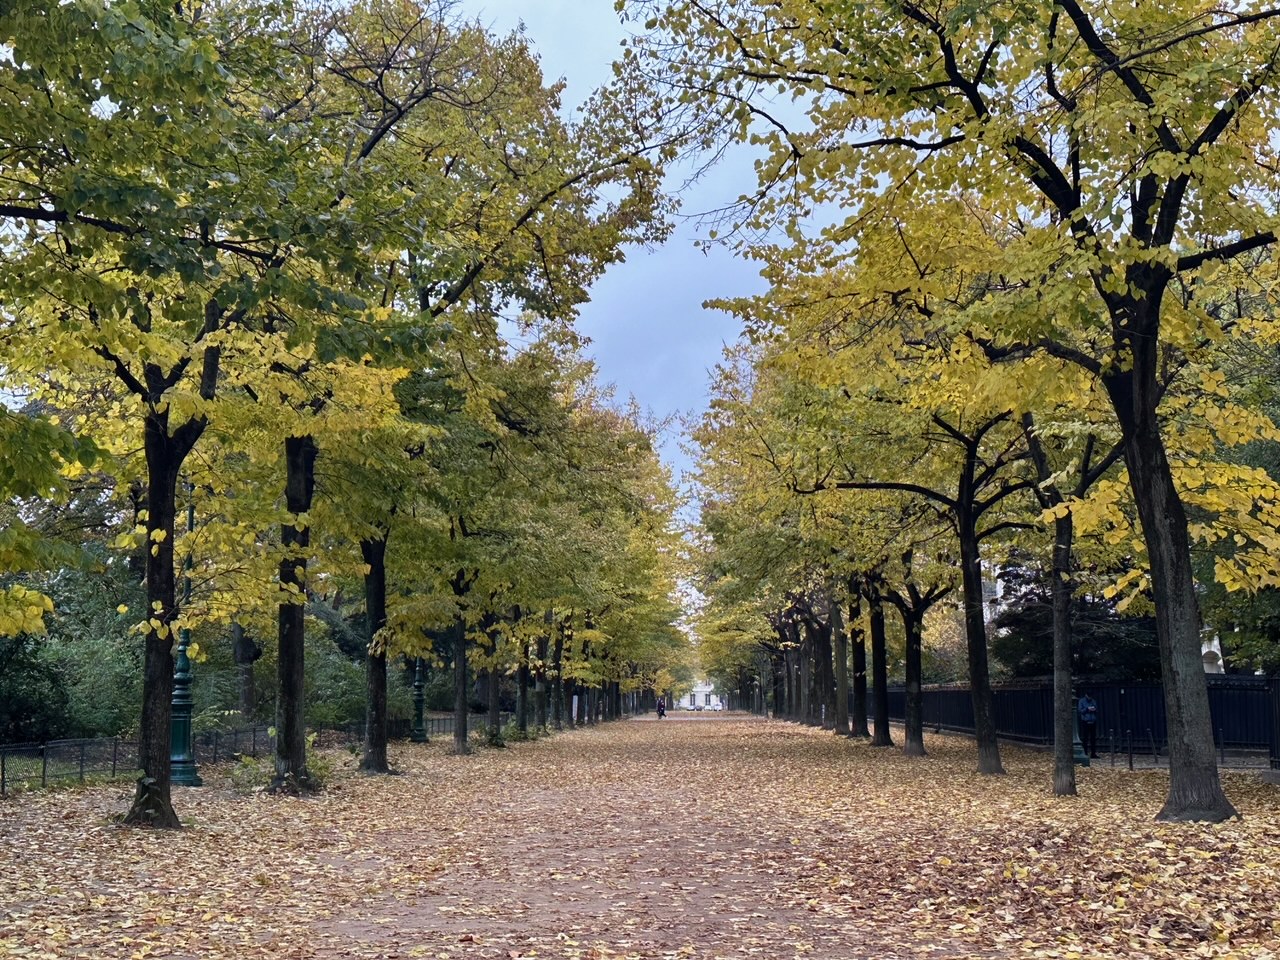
x,y
703,696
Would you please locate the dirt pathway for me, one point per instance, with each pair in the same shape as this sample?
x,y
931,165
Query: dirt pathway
x,y
701,837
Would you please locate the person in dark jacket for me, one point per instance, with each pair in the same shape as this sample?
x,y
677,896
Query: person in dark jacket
x,y
1087,708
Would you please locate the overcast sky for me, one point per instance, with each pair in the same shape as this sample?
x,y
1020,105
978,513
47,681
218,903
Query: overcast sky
x,y
649,334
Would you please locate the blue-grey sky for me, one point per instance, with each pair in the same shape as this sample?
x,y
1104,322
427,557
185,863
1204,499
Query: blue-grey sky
x,y
649,334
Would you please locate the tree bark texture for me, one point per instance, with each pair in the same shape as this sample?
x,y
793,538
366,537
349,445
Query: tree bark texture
x,y
492,685
1195,790
913,740
1064,767
879,673
557,678
373,551
858,640
152,804
246,653
840,652
461,684
540,682
975,628
291,774
165,452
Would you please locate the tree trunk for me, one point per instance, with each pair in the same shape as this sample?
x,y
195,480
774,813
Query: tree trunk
x,y
778,669
246,653
806,676
373,551
840,644
879,673
1064,767
913,745
522,692
493,691
152,804
827,676
1195,790
557,679
975,628
858,640
540,681
291,774
461,691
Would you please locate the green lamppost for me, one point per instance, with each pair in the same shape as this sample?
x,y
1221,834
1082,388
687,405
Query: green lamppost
x,y
1078,756
182,761
418,734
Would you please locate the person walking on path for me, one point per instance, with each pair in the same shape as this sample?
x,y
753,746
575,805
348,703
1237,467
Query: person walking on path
x,y
1087,708
662,708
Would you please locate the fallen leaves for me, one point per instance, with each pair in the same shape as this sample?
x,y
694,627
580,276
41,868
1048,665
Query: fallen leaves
x,y
643,841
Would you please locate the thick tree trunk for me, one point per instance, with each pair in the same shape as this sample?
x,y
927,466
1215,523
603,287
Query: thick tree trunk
x,y
858,640
1064,767
975,627
879,673
840,645
152,805
373,550
1195,790
913,745
291,774
461,688
246,653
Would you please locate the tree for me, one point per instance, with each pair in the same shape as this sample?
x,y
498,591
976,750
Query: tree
x,y
1129,145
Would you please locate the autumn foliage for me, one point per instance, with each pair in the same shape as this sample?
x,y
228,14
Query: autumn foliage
x,y
695,838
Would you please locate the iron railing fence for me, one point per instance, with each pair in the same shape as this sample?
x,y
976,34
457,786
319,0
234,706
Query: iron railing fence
x,y
28,765
1245,711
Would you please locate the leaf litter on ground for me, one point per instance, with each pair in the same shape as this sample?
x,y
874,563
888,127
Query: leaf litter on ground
x,y
715,837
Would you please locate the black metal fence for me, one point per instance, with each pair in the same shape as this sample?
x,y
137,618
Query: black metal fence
x,y
1245,712
28,765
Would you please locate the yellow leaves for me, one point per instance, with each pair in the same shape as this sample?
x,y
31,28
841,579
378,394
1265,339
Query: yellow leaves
x,y
1056,512
22,611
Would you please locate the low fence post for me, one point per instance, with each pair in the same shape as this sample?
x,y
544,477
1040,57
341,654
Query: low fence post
x,y
115,752
1128,735
2,774
82,761
1111,736
44,766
